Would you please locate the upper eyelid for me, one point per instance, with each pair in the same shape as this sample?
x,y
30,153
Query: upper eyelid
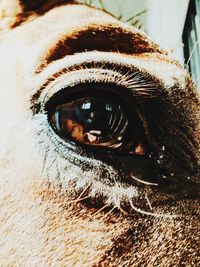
x,y
132,79
161,74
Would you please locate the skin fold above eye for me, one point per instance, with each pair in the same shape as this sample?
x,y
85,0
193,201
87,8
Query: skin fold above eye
x,y
64,202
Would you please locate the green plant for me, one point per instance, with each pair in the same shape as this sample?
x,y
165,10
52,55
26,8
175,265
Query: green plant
x,y
134,20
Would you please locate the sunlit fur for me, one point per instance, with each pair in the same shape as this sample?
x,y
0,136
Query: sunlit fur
x,y
53,211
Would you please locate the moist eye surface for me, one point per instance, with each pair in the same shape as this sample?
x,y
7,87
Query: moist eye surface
x,y
96,116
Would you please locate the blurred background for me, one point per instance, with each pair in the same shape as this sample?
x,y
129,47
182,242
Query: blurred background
x,y
173,24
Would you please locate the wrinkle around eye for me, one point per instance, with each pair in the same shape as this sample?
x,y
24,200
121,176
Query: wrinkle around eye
x,y
140,83
160,75
91,38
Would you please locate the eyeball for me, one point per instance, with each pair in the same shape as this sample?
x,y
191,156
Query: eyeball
x,y
97,118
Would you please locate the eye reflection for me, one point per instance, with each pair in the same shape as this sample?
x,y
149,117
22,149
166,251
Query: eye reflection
x,y
98,120
92,122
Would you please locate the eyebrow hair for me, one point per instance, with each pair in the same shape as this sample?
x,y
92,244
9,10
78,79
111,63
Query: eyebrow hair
x,y
104,38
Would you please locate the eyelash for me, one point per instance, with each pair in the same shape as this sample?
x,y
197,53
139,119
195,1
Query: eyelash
x,y
140,84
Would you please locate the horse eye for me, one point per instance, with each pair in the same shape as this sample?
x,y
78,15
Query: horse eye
x,y
97,118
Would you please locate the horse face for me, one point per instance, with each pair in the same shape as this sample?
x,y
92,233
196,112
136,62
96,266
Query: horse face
x,y
99,142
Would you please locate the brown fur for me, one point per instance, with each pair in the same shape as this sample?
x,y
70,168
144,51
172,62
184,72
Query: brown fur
x,y
45,221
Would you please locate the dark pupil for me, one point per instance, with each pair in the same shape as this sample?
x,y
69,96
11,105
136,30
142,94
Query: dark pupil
x,y
92,121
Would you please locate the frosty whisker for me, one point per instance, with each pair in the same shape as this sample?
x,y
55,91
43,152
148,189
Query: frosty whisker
x,y
148,202
143,182
150,213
